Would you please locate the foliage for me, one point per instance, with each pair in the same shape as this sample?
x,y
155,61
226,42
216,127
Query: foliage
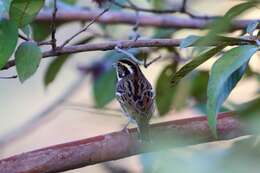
x,y
164,91
8,40
27,58
225,74
22,12
180,84
107,81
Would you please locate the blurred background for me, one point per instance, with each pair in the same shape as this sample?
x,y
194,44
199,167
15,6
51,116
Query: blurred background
x,y
79,116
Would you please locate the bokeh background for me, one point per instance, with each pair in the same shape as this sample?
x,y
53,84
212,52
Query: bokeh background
x,y
78,118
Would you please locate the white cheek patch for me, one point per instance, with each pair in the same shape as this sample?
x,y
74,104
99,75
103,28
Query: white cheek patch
x,y
129,68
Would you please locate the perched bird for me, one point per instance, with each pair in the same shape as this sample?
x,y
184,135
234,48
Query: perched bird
x,y
135,95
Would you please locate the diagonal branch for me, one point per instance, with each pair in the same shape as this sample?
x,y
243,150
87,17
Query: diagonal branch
x,y
119,145
84,29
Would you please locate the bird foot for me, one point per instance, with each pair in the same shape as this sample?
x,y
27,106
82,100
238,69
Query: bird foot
x,y
125,130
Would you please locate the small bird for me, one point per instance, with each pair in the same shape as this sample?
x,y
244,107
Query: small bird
x,y
135,95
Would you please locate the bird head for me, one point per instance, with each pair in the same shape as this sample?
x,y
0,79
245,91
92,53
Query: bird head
x,y
126,67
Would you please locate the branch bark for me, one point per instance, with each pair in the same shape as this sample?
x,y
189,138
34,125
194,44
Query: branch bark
x,y
162,21
124,44
118,145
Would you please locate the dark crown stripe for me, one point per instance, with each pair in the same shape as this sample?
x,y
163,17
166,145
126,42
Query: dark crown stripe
x,y
133,65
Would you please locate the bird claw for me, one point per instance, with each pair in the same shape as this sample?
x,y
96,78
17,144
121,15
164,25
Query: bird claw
x,y
126,130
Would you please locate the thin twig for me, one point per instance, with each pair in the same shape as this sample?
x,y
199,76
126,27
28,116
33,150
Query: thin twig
x,y
38,43
185,11
53,26
136,35
45,43
144,63
23,37
83,29
147,64
129,55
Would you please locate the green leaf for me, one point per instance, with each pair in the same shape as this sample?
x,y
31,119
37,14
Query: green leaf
x,y
27,59
182,93
199,85
106,4
104,88
71,2
164,91
249,113
187,68
40,30
23,12
56,65
199,42
250,109
27,31
54,68
159,4
251,27
225,74
223,24
8,40
163,32
189,41
240,8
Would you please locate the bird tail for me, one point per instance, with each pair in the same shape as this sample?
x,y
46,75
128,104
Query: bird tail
x,y
144,133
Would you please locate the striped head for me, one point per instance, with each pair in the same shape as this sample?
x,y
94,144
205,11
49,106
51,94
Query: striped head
x,y
126,67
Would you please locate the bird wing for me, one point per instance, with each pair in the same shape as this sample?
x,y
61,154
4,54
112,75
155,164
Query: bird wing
x,y
136,97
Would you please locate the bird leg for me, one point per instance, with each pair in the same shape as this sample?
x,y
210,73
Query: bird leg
x,y
125,129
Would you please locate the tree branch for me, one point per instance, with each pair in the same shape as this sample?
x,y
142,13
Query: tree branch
x,y
162,21
84,28
53,26
119,145
124,44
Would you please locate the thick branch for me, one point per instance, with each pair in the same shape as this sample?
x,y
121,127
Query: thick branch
x,y
130,18
118,145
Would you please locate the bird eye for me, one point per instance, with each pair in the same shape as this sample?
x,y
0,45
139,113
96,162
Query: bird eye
x,y
121,73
